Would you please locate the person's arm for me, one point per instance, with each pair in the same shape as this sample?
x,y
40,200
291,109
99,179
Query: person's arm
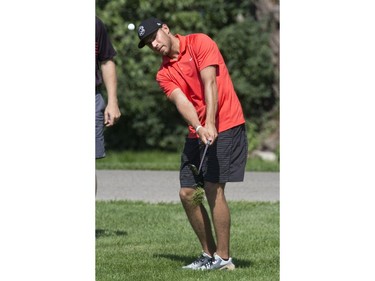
x,y
188,112
185,108
112,112
208,76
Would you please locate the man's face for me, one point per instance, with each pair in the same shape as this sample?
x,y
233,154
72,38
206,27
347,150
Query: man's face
x,y
159,41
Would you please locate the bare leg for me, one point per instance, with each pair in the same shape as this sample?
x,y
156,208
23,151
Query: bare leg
x,y
199,220
220,216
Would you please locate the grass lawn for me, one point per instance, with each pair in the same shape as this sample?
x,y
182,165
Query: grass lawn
x,y
139,241
160,160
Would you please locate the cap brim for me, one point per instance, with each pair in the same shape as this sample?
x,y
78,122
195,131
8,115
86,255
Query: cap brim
x,y
141,44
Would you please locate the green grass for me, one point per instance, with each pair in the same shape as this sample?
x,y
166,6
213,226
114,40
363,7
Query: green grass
x,y
141,241
160,160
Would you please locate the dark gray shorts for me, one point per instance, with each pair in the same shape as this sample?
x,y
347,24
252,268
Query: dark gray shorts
x,y
225,160
99,126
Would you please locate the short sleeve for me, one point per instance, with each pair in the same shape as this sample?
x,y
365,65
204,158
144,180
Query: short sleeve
x,y
165,83
104,48
206,51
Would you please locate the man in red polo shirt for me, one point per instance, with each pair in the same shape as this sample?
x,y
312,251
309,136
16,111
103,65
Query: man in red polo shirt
x,y
194,77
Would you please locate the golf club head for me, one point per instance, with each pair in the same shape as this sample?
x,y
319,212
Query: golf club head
x,y
194,169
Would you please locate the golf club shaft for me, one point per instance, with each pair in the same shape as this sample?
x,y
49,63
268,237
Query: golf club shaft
x,y
204,154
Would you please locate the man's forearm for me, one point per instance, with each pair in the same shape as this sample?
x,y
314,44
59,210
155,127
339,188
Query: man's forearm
x,y
189,113
211,103
185,108
208,76
110,80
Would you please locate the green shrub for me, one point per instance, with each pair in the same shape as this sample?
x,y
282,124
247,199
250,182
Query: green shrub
x,y
148,120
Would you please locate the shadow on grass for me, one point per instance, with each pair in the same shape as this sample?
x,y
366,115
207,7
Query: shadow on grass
x,y
107,233
240,263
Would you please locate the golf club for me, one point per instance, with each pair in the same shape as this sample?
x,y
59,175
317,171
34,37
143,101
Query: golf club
x,y
199,193
193,168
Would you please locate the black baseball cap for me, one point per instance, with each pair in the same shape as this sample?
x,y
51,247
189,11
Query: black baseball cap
x,y
146,28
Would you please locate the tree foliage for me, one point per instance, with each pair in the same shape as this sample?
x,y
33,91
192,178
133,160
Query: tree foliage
x,y
148,119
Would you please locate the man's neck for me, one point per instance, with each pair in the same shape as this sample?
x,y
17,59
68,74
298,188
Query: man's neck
x,y
175,50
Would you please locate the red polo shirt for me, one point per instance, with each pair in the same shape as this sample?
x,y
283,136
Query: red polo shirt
x,y
198,51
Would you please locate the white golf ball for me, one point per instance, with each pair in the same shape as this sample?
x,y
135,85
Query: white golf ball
x,y
131,26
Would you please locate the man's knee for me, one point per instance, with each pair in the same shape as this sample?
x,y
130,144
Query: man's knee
x,y
186,194
214,190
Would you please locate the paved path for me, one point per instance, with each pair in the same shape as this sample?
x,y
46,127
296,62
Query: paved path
x,y
163,186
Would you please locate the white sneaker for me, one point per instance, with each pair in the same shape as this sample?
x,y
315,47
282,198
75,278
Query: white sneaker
x,y
218,263
203,259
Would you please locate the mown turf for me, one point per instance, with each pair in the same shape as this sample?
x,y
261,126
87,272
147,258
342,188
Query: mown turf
x,y
142,241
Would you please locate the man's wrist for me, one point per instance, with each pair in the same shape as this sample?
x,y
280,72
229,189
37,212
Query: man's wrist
x,y
113,101
197,128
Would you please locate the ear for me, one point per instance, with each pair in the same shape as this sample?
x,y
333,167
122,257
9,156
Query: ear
x,y
165,28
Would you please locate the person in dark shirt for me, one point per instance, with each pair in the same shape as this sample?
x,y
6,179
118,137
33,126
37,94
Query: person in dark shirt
x,y
105,73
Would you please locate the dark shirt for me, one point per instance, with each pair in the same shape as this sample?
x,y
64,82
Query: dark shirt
x,y
103,49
